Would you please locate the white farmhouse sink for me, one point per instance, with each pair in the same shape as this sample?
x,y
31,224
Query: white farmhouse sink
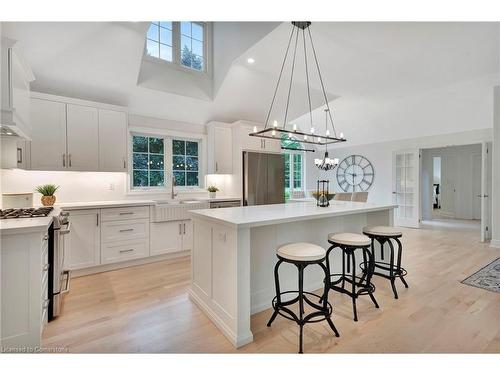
x,y
171,210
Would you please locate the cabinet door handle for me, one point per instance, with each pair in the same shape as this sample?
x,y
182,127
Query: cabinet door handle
x,y
126,230
126,251
126,213
69,159
19,155
184,228
264,143
97,219
180,228
216,166
64,160
124,165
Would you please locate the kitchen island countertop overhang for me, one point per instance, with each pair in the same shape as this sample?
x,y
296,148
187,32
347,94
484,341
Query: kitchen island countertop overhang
x,y
234,251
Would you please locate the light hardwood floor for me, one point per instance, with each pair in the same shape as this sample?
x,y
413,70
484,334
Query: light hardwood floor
x,y
147,309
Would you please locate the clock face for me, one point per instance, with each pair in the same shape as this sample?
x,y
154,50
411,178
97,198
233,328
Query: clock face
x,y
355,173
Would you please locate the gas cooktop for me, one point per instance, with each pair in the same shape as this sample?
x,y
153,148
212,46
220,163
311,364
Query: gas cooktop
x,y
21,213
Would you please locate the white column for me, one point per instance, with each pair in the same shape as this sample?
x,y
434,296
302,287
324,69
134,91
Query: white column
x,y
495,209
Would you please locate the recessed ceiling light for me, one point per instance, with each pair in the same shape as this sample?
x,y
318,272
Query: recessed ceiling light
x,y
250,60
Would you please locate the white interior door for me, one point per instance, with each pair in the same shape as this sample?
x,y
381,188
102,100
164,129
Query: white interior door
x,y
476,186
486,171
406,182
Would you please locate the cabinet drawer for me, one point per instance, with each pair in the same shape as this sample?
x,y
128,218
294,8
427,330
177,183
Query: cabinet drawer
x,y
124,230
125,213
121,251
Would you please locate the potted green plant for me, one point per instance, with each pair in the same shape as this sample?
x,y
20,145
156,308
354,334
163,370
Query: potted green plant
x,y
47,191
212,190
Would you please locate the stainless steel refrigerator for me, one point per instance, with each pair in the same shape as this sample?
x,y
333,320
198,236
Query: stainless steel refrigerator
x,y
263,178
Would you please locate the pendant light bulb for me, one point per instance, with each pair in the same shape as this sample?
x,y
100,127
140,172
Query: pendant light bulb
x,y
312,130
294,127
341,135
275,124
273,132
327,132
255,129
305,137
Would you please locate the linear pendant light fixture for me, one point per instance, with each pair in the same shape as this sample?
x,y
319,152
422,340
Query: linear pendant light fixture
x,y
299,31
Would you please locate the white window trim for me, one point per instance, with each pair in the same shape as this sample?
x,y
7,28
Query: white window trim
x,y
303,171
170,134
176,54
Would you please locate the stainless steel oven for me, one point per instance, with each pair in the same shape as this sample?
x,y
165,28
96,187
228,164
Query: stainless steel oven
x,y
61,278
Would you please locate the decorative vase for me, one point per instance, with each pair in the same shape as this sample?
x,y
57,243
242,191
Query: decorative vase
x,y
48,200
212,194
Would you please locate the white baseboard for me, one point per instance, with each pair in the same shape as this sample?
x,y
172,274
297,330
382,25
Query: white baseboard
x,y
495,243
130,263
230,334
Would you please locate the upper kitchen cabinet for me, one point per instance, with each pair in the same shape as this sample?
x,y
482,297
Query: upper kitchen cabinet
x,y
76,135
220,148
82,129
112,141
48,145
255,143
15,79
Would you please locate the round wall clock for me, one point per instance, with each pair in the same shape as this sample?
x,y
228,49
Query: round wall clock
x,y
355,173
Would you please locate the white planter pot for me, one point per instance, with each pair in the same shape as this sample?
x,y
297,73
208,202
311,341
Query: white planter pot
x,y
212,194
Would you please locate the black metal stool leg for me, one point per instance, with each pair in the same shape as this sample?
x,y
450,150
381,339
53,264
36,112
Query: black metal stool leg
x,y
400,248
370,269
325,297
354,296
278,298
391,270
301,306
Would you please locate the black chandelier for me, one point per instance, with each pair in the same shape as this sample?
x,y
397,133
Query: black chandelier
x,y
326,163
275,131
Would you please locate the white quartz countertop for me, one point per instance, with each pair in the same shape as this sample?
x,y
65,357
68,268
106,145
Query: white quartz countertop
x,y
252,216
105,204
26,225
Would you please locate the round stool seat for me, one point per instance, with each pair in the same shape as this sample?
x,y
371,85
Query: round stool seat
x,y
349,239
382,231
301,251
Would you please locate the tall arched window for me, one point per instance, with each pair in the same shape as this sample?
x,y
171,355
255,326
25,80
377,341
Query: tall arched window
x,y
294,164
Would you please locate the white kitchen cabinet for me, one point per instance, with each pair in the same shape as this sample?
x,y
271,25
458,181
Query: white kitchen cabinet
x,y
82,244
187,235
24,288
170,237
112,141
258,144
15,153
15,79
48,144
220,150
82,129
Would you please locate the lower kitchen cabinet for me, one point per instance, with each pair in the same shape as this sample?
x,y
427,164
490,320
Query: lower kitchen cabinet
x,y
83,241
171,236
123,251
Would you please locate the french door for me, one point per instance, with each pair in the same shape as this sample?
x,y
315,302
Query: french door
x,y
406,191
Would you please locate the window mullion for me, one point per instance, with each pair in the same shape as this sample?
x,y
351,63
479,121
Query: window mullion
x,y
176,42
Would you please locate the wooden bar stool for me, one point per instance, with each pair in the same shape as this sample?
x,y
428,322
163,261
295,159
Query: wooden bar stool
x,y
348,243
393,269
301,255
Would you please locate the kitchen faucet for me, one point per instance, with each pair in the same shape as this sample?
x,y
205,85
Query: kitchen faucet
x,y
173,194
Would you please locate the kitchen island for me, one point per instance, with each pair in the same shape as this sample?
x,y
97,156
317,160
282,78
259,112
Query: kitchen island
x,y
234,254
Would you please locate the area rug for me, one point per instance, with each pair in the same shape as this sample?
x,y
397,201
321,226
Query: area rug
x,y
487,277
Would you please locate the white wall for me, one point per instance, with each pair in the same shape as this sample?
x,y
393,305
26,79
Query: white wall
x,y
380,155
457,181
495,241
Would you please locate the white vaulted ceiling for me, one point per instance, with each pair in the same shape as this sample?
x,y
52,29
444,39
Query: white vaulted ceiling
x,y
367,67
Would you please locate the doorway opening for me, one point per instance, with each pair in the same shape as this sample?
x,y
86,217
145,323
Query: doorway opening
x,y
455,186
